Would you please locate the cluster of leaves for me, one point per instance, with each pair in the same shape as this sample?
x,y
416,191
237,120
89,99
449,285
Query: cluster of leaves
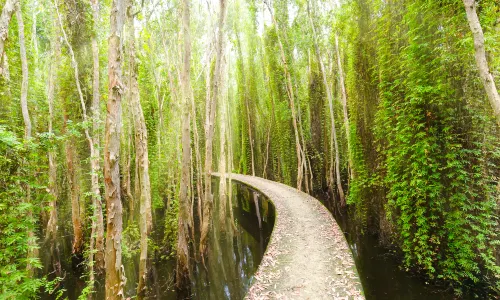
x,y
437,142
16,281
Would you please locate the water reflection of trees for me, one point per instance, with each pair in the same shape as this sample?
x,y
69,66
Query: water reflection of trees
x,y
234,253
236,246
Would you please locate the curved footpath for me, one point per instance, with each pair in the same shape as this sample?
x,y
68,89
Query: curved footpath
x,y
308,256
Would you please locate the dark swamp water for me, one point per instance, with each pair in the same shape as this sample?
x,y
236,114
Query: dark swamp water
x,y
230,263
380,268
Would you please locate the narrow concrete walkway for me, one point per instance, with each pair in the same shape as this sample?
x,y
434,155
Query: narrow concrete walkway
x,y
308,256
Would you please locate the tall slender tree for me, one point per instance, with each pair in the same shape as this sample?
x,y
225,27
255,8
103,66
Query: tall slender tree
x,y
52,186
334,146
299,148
141,153
32,248
97,221
182,270
222,163
115,277
210,127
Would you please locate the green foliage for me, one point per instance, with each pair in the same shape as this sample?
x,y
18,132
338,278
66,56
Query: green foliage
x,y
437,145
360,184
16,282
171,228
131,241
423,147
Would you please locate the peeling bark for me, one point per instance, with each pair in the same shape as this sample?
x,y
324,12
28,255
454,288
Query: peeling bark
x,y
7,12
141,154
115,275
74,191
98,220
183,269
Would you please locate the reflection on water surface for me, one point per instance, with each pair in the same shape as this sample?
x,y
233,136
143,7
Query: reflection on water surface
x,y
231,261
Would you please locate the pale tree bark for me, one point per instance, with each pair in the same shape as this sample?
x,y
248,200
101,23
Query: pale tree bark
x,y
199,169
4,70
334,146
229,136
480,55
98,219
183,269
115,275
222,162
301,160
51,232
5,73
7,12
24,71
32,250
308,180
141,154
210,128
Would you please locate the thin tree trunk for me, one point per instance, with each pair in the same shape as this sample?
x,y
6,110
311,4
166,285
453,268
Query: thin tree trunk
x,y
343,93
32,251
74,191
222,164
115,277
230,167
97,222
199,172
290,93
480,55
305,162
250,136
7,12
94,151
271,122
333,137
141,154
51,232
24,71
268,142
209,131
247,104
182,276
